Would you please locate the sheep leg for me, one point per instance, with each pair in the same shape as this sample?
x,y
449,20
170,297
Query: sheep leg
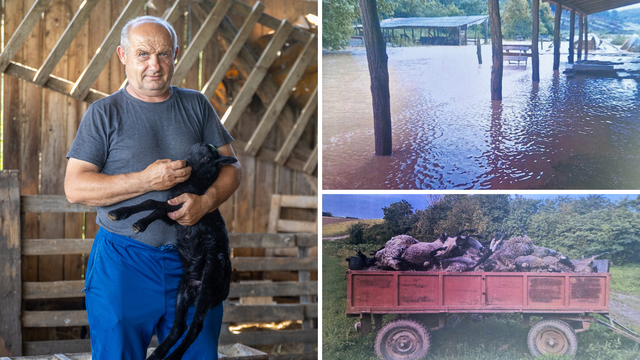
x,y
186,297
142,224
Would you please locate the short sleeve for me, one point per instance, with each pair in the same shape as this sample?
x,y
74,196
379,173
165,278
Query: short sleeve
x,y
91,141
214,132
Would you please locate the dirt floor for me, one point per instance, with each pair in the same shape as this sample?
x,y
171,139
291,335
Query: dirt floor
x,y
334,238
625,309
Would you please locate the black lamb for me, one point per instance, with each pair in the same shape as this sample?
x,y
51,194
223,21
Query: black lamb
x,y
203,248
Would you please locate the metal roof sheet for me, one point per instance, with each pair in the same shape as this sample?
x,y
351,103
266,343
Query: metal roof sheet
x,y
433,22
594,6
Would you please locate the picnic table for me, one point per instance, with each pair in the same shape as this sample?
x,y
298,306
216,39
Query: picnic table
x,y
516,53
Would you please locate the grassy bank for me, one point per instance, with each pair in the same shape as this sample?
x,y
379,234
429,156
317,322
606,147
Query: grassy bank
x,y
342,228
497,337
626,279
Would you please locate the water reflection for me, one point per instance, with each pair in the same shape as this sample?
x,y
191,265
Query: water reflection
x,y
565,132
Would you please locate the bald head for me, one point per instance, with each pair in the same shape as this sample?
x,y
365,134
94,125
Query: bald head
x,y
125,40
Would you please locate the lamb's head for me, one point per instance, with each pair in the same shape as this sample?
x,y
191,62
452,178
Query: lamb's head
x,y
205,161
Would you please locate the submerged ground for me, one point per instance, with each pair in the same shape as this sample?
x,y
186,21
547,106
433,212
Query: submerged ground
x,y
567,132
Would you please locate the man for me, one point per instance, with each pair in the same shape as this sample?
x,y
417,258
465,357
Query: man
x,y
126,151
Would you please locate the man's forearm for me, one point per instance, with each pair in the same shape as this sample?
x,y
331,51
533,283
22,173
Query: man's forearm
x,y
97,189
227,183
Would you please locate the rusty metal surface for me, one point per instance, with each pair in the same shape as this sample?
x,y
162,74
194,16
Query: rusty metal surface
x,y
482,292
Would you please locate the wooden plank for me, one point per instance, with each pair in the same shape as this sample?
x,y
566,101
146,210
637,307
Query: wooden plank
x,y
269,21
57,346
274,214
284,288
56,246
258,73
52,289
298,128
72,289
10,291
268,313
264,191
270,337
309,54
262,240
273,264
309,240
308,356
311,164
18,38
54,318
297,226
54,83
65,40
243,211
81,88
299,201
210,25
232,52
52,203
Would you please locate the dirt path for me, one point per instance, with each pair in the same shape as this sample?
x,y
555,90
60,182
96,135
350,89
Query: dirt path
x,y
625,309
333,238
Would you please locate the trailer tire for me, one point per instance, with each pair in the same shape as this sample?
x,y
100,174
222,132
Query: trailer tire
x,y
554,337
402,340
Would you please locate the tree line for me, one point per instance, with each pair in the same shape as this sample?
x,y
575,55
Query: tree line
x,y
340,16
576,226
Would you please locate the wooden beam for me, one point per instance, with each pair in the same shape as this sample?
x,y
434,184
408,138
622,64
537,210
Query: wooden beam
x,y
580,32
20,35
586,37
54,83
297,226
556,38
298,128
207,29
82,87
572,35
54,318
57,347
51,203
42,76
311,164
231,117
255,338
535,32
232,51
10,289
273,264
496,50
299,201
56,246
308,54
269,313
53,289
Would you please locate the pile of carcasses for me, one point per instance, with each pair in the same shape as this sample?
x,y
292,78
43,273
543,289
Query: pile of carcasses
x,y
465,253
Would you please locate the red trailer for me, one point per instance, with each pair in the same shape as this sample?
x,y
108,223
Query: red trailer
x,y
564,300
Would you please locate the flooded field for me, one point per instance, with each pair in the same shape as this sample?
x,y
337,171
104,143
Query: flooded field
x,y
567,132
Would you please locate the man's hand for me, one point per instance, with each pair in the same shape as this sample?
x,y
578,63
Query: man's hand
x,y
193,208
163,174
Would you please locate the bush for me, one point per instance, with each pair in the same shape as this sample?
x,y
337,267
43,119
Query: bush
x,y
619,40
356,233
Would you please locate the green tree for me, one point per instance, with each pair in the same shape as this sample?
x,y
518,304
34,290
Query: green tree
x,y
339,18
516,19
398,217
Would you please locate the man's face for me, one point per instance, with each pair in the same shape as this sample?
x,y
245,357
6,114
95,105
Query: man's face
x,y
149,63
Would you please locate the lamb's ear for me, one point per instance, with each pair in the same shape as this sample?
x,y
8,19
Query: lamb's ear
x,y
226,160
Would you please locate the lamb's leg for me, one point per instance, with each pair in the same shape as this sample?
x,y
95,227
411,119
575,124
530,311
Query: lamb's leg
x,y
126,211
142,224
183,301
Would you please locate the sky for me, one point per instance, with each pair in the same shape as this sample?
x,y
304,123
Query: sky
x,y
369,206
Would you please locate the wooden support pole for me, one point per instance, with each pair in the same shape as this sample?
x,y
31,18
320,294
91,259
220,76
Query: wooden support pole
x,y
10,281
580,32
572,34
556,38
379,72
479,50
586,37
486,33
535,33
496,48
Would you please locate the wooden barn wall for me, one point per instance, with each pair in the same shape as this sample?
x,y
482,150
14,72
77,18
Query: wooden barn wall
x,y
40,125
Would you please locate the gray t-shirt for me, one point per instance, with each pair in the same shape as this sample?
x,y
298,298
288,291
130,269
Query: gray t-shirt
x,y
121,134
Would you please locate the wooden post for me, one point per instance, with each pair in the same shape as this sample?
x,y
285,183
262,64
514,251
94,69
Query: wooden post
x,y
479,50
379,72
496,48
10,281
535,32
572,33
580,31
556,38
586,37
486,33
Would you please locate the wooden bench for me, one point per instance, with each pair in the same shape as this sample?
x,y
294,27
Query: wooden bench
x,y
13,291
516,53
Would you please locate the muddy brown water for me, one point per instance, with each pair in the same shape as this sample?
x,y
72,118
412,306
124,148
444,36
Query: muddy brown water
x,y
566,132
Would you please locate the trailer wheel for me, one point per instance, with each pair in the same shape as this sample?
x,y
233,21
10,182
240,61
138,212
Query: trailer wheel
x,y
402,340
552,337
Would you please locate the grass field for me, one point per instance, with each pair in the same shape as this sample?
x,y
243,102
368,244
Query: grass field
x,y
496,337
342,228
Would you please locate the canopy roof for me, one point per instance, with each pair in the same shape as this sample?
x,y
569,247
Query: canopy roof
x,y
433,22
588,7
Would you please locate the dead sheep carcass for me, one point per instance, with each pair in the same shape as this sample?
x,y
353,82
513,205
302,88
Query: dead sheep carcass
x,y
387,257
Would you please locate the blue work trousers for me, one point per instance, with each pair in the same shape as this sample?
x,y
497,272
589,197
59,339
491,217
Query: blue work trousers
x,y
130,292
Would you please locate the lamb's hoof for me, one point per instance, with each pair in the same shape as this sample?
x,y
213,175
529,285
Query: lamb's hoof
x,y
136,228
112,216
